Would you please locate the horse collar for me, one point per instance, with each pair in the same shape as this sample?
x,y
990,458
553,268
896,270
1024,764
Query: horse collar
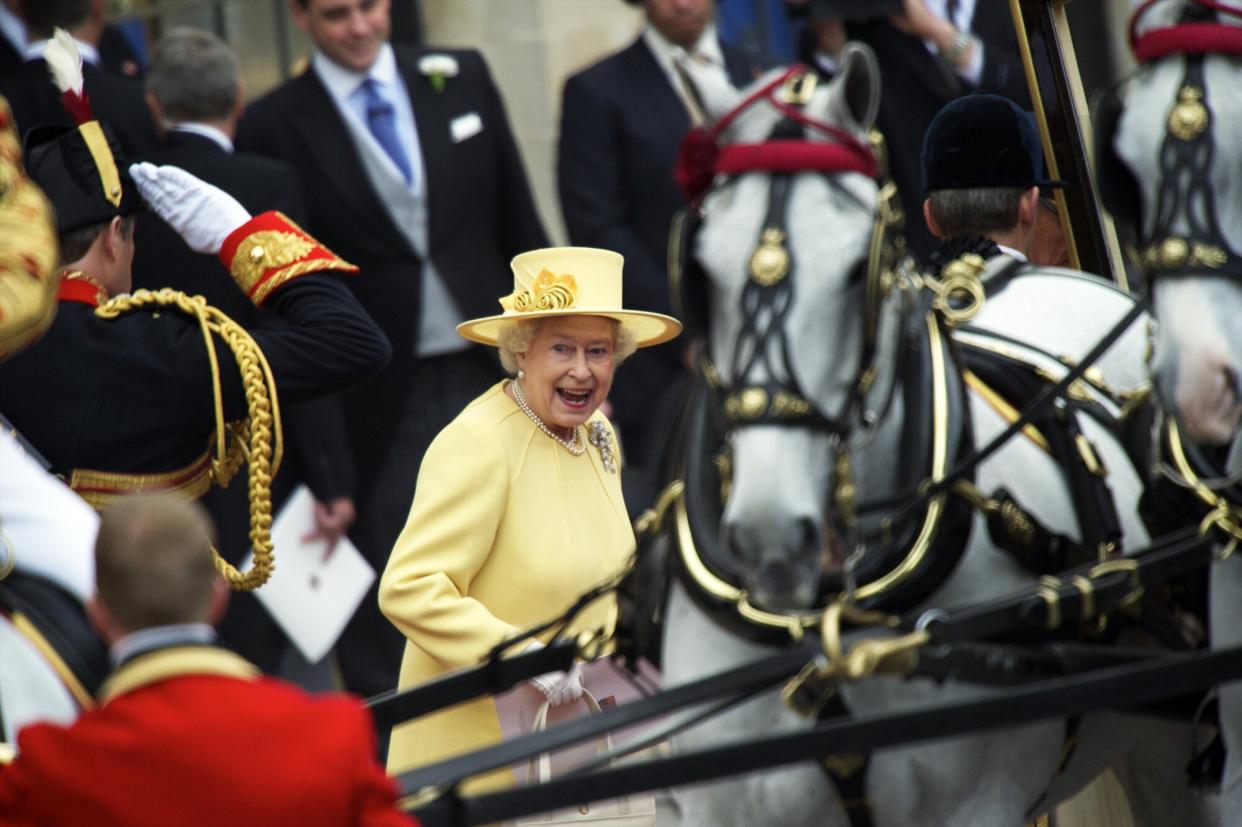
x,y
893,577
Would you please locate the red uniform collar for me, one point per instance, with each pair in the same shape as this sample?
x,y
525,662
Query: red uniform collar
x,y
76,286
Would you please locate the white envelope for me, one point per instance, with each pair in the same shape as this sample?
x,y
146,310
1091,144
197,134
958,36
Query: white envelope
x,y
465,126
312,599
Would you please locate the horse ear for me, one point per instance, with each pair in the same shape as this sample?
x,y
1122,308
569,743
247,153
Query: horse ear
x,y
709,86
854,94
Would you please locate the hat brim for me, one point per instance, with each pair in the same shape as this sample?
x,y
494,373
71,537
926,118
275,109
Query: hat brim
x,y
647,328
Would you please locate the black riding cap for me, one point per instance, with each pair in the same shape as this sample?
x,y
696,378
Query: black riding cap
x,y
981,141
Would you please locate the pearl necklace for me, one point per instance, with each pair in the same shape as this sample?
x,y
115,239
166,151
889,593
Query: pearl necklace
x,y
575,446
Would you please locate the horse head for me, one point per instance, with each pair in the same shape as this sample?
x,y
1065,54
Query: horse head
x,y
1174,155
783,241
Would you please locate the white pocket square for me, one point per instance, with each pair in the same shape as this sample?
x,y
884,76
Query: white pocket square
x,y
465,126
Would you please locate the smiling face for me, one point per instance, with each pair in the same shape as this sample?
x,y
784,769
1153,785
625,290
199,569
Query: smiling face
x,y
680,21
348,32
568,369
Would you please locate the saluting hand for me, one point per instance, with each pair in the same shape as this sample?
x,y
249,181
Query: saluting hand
x,y
202,214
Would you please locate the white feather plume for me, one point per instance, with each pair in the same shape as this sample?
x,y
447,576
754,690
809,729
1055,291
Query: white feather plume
x,y
64,61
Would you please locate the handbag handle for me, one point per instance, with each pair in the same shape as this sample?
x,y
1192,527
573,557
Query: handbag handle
x,y
540,723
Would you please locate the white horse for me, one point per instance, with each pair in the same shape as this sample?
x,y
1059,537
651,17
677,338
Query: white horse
x,y
776,525
1177,138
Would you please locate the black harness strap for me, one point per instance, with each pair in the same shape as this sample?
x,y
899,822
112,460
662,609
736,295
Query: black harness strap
x,y
1186,192
847,772
1076,595
747,678
1085,475
491,678
1122,687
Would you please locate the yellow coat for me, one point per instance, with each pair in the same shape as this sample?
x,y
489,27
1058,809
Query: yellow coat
x,y
507,528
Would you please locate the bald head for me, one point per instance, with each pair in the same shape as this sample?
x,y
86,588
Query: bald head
x,y
153,564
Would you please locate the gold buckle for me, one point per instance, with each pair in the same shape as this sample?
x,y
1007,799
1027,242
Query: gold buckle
x,y
810,690
798,88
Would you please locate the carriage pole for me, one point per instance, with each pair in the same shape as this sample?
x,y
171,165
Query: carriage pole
x,y
1065,131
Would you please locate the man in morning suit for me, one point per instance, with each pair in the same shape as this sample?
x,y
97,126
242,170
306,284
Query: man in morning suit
x,y
195,91
185,732
622,121
116,100
410,170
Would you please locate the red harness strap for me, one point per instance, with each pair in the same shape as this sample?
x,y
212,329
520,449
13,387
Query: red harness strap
x,y
1186,38
700,157
794,156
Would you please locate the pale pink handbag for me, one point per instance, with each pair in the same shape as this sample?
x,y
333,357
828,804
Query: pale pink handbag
x,y
624,811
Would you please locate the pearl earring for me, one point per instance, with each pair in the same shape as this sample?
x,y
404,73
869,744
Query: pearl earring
x,y
521,374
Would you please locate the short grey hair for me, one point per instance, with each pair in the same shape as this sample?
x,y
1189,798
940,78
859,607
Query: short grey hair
x,y
517,336
980,211
194,75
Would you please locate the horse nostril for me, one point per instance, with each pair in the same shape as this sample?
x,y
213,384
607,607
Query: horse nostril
x,y
1231,383
737,546
808,535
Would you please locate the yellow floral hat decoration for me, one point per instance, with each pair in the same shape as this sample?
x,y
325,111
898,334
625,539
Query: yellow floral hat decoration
x,y
570,281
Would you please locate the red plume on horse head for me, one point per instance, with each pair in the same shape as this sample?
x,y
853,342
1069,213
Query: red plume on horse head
x,y
64,63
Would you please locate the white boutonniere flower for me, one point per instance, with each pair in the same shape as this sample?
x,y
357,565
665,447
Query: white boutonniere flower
x,y
438,68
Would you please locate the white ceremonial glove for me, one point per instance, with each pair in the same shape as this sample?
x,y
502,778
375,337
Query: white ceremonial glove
x,y
558,687
570,688
201,213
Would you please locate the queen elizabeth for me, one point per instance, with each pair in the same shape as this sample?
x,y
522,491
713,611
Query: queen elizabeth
x,y
518,507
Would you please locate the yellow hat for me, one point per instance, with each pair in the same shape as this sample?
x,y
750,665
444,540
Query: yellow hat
x,y
570,281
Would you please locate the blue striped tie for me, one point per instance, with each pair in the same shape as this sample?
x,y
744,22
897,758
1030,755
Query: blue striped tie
x,y
382,121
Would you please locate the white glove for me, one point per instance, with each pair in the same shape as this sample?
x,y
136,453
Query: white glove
x,y
202,214
558,687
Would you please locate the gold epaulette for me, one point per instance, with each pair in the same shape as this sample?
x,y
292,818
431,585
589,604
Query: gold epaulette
x,y
28,251
269,251
101,488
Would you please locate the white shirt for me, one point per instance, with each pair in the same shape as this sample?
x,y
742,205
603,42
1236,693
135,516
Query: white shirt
x,y
160,637
205,131
13,29
706,50
345,88
972,72
1010,251
34,51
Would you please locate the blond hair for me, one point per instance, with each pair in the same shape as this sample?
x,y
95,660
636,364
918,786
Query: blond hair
x,y
153,564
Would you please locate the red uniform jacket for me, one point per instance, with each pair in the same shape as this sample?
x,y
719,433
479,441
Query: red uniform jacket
x,y
191,736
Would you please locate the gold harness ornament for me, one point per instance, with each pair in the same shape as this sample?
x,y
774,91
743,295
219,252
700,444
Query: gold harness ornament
x,y
1223,516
